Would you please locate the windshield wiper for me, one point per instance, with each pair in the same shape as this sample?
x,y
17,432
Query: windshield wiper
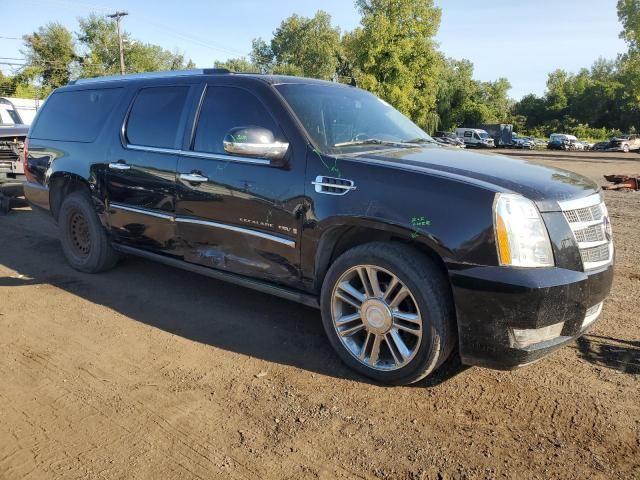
x,y
368,141
419,140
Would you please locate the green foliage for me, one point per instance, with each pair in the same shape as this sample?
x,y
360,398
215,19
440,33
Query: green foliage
x,y
237,65
394,54
50,53
594,103
98,37
261,55
629,15
463,101
305,45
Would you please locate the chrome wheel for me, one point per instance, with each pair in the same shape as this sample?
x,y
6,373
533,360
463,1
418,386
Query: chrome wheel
x,y
376,317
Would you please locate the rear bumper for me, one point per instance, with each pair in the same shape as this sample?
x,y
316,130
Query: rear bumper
x,y
36,195
492,301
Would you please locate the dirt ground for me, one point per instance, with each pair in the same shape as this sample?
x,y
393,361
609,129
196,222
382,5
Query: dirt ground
x,y
152,372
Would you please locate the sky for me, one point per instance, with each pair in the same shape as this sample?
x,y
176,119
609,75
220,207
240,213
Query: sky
x,y
521,40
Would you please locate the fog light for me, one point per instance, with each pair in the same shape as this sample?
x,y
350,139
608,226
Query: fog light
x,y
592,314
525,337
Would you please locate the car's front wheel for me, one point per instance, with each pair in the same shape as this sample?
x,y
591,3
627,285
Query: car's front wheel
x,y
388,312
84,240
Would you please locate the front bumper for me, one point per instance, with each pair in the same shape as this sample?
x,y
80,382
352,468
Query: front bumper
x,y
492,301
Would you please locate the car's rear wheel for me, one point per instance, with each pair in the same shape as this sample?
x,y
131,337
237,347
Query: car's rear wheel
x,y
387,311
84,240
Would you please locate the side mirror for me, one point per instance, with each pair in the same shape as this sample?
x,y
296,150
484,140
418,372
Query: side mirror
x,y
255,142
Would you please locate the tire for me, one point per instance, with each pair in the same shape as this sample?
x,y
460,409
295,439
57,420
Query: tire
x,y
85,242
428,307
625,149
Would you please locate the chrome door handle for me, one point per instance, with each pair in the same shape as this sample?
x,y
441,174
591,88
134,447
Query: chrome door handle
x,y
193,178
119,166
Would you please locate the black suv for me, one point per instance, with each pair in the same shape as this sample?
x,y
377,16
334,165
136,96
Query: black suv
x,y
324,194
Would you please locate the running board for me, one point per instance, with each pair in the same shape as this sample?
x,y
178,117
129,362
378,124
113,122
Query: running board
x,y
261,286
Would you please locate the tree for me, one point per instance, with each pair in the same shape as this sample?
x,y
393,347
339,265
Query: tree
x,y
456,91
394,54
261,55
237,65
306,46
50,53
629,15
99,39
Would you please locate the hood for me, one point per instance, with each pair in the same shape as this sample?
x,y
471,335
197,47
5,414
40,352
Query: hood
x,y
542,184
18,130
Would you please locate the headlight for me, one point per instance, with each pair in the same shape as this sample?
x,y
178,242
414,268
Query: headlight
x,y
521,237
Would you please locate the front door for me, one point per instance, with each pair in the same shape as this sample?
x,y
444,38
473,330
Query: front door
x,y
239,213
141,173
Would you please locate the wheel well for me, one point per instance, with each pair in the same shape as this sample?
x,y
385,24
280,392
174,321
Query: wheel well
x,y
337,241
62,186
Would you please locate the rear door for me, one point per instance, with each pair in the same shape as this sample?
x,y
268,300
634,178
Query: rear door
x,y
243,215
141,173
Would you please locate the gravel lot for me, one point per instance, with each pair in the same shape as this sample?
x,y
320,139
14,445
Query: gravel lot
x,y
151,372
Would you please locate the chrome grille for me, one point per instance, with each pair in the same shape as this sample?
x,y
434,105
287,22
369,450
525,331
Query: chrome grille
x,y
587,214
595,254
594,233
586,217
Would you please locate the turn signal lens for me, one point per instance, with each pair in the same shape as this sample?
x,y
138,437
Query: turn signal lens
x,y
521,236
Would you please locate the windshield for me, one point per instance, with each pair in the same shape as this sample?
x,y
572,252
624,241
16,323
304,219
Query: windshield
x,y
484,135
340,119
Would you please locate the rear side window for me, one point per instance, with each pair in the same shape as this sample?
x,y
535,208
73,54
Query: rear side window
x,y
225,108
155,116
75,116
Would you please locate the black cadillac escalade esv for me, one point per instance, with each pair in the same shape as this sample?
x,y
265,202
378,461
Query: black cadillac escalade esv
x,y
324,194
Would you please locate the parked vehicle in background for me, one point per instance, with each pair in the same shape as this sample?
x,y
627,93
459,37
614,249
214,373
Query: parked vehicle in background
x,y
500,132
13,133
561,141
475,137
321,193
600,146
522,142
586,145
18,110
449,139
625,143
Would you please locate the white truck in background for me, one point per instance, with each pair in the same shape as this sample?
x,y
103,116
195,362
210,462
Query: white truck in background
x,y
18,110
475,137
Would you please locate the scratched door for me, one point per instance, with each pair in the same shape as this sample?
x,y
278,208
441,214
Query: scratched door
x,y
243,215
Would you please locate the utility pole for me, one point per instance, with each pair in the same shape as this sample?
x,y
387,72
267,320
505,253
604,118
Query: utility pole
x,y
118,15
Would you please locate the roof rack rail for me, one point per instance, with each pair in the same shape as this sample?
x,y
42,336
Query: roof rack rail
x,y
216,71
151,75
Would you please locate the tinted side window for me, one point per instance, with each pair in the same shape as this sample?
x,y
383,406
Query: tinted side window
x,y
155,116
225,108
75,116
